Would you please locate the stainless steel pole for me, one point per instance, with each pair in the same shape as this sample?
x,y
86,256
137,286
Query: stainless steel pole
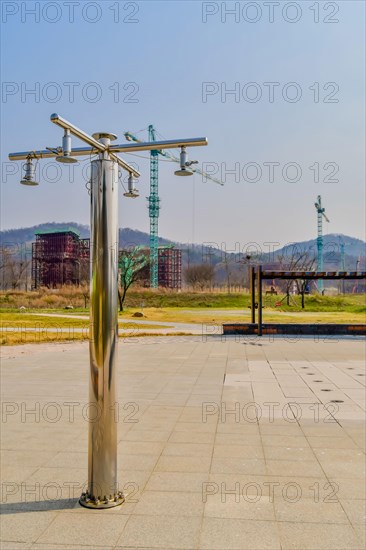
x,y
252,293
102,491
260,300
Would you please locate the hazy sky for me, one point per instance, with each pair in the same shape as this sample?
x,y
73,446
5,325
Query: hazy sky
x,y
291,128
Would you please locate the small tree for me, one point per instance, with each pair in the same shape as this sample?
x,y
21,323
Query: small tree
x,y
14,269
199,275
227,263
85,292
131,264
297,261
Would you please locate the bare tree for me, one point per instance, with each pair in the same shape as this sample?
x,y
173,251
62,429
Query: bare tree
x,y
199,275
85,292
303,284
14,269
227,263
297,261
4,259
131,265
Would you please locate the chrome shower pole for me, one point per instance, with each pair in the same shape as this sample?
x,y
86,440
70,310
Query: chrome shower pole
x,y
102,489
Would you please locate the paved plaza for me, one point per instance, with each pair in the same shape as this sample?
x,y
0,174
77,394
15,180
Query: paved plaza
x,y
232,443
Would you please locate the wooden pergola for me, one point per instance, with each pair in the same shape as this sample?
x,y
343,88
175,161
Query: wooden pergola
x,y
258,275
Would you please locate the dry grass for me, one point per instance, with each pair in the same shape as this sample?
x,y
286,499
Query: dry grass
x,y
36,337
18,321
59,299
45,298
202,316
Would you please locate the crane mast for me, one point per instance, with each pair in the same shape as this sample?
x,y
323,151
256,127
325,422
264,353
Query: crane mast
x,y
154,209
320,245
343,260
154,200
343,257
153,206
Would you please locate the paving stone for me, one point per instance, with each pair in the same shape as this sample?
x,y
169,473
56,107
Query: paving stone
x,y
238,451
161,532
355,510
235,506
20,526
238,465
225,534
11,545
312,536
183,464
69,528
308,510
194,480
160,503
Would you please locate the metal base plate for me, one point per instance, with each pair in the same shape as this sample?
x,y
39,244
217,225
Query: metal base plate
x,y
89,502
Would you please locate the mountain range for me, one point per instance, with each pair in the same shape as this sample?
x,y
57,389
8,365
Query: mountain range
x,y
354,248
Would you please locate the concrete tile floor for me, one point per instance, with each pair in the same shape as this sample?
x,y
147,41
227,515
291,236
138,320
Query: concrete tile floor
x,y
223,444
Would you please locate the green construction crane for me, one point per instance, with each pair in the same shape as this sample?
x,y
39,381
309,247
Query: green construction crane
x,y
343,260
319,242
153,205
154,200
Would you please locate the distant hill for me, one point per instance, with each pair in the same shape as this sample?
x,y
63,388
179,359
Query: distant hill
x,y
26,235
354,248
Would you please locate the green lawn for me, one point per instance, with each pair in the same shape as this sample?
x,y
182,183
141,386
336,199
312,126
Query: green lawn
x,y
354,303
199,308
56,300
224,315
18,320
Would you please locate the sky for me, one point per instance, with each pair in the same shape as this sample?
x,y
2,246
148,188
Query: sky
x,y
277,87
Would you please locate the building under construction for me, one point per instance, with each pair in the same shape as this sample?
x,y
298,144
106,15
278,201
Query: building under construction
x,y
170,267
59,258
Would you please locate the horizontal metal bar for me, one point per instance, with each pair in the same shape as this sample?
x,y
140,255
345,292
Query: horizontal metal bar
x,y
124,165
47,154
100,147
78,152
312,275
97,147
75,131
157,145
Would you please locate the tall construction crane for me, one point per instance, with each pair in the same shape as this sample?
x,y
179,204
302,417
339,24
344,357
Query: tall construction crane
x,y
320,215
343,259
154,199
342,254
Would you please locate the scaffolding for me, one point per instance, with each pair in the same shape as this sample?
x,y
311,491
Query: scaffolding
x,y
59,258
170,267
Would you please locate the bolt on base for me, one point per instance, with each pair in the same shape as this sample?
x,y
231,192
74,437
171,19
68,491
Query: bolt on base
x,y
89,501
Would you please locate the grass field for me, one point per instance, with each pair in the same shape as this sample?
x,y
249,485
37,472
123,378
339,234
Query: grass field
x,y
56,301
16,328
162,307
11,318
36,337
220,308
201,316
350,302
